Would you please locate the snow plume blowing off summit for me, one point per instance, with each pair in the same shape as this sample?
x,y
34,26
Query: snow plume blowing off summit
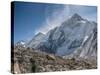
x,y
54,17
60,13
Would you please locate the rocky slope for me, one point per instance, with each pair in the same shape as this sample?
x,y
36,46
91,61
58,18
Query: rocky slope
x,y
27,60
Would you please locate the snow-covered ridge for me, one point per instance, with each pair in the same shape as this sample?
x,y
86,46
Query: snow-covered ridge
x,y
35,40
21,43
74,36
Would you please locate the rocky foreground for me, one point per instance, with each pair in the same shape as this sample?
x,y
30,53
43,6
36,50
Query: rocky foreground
x,y
26,60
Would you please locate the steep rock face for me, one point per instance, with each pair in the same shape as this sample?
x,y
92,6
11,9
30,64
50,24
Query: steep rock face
x,y
74,33
74,37
88,48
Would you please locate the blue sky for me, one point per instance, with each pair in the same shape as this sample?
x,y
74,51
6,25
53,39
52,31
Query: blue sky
x,y
31,18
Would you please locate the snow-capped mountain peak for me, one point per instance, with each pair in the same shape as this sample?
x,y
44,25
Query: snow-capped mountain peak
x,y
76,17
20,43
73,34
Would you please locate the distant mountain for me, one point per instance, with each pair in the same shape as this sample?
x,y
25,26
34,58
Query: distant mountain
x,y
20,43
74,37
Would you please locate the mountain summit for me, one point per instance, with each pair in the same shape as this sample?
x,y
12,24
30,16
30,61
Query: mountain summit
x,y
74,37
76,17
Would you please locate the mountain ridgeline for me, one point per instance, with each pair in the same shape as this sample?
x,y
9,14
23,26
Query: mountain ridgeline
x,y
75,37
